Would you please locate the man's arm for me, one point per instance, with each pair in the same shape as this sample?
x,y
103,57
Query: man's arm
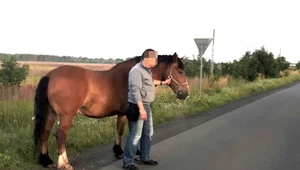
x,y
135,82
158,82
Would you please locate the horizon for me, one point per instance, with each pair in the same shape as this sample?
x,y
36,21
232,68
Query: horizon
x,y
189,57
119,29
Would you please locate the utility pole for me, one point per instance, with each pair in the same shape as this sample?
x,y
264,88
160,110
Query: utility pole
x,y
280,53
212,56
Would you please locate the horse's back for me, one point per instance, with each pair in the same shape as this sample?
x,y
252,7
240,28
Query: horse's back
x,y
66,75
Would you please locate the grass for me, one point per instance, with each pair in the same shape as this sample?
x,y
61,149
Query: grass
x,y
16,113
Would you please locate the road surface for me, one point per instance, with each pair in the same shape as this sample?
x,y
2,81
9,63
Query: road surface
x,y
262,135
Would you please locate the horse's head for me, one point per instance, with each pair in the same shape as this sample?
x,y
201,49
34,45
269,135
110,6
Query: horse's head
x,y
170,66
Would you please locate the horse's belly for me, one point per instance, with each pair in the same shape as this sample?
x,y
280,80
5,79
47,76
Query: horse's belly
x,y
101,107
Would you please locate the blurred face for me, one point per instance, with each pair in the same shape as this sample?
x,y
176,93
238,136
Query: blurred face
x,y
150,59
150,62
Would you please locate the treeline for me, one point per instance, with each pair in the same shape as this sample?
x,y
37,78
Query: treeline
x,y
54,58
250,66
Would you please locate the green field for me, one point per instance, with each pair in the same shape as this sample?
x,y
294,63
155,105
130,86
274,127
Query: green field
x,y
16,115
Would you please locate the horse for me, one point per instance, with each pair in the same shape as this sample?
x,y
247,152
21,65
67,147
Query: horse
x,y
68,90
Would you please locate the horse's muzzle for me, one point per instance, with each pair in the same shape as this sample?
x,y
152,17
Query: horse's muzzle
x,y
181,94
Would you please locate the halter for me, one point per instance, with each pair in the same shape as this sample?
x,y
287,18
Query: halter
x,y
177,83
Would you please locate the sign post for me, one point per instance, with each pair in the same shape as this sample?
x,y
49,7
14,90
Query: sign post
x,y
202,44
212,55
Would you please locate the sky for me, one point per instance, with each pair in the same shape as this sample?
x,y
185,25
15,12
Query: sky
x,y
121,29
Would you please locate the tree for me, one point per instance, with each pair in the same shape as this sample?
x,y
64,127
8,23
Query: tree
x,y
244,65
217,71
267,65
234,69
191,67
282,63
298,65
252,69
11,74
225,68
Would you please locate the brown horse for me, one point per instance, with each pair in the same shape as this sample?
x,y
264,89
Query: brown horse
x,y
70,90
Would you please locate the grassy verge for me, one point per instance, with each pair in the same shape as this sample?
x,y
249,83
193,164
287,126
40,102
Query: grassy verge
x,y
16,119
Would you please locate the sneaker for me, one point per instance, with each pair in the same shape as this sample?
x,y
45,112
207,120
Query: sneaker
x,y
130,167
150,162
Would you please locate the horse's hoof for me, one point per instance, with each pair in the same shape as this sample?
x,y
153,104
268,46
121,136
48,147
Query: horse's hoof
x,y
46,161
51,166
137,158
66,167
118,151
138,154
119,156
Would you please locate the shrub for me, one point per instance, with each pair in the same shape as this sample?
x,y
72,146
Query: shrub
x,y
11,74
286,73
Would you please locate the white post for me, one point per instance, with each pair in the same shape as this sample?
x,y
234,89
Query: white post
x,y
201,67
212,56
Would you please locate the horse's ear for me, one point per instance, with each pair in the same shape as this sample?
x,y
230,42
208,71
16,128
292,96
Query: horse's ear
x,y
181,58
175,57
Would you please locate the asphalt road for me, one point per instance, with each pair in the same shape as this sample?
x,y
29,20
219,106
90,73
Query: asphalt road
x,y
262,135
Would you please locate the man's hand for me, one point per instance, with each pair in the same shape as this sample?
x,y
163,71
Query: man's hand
x,y
167,82
158,82
143,114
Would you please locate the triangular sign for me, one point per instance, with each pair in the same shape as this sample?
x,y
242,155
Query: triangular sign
x,y
202,44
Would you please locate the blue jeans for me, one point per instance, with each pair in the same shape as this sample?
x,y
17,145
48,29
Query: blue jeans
x,y
139,131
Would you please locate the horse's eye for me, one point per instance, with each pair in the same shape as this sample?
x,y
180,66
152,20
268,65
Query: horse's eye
x,y
180,72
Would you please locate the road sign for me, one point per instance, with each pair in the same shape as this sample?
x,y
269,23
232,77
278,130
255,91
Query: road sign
x,y
202,44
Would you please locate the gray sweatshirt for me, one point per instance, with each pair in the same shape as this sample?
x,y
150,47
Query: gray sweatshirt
x,y
141,85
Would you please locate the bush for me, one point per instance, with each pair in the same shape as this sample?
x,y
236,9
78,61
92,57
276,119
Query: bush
x,y
286,73
11,74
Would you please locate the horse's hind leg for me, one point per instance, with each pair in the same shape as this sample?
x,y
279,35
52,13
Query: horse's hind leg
x,y
44,158
119,132
61,137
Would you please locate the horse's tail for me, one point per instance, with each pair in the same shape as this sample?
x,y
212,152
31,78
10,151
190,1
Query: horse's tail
x,y
41,104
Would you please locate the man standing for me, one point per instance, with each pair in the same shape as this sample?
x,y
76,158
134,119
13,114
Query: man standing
x,y
141,94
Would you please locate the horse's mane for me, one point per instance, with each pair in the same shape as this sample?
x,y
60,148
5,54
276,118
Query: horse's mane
x,y
168,59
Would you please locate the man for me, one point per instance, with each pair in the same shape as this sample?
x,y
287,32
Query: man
x,y
141,94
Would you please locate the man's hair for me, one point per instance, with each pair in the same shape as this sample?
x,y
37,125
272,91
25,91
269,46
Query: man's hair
x,y
143,55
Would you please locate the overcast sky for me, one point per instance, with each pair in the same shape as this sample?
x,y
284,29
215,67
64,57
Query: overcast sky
x,y
121,29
